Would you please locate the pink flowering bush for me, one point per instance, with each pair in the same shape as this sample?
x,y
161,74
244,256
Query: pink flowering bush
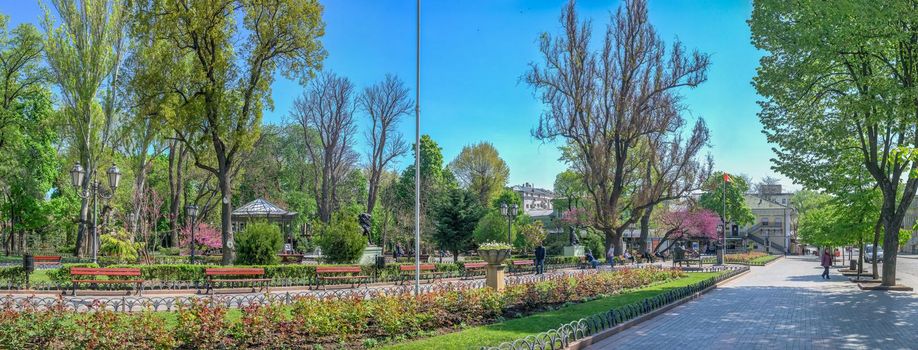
x,y
206,237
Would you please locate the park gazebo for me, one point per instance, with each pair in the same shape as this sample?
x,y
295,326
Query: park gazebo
x,y
262,210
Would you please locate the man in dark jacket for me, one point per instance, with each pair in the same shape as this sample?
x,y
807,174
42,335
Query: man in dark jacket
x,y
540,259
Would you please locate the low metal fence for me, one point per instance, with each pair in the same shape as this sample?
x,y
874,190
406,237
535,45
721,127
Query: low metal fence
x,y
562,337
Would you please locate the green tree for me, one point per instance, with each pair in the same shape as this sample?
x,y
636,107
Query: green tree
x,y
84,54
605,133
341,239
435,180
223,88
479,169
838,83
28,167
508,196
259,244
20,72
455,219
533,234
713,198
569,187
493,227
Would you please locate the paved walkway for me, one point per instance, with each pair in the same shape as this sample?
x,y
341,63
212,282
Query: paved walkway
x,y
785,305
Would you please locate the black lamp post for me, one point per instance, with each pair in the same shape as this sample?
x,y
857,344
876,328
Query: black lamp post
x,y
191,213
510,211
94,191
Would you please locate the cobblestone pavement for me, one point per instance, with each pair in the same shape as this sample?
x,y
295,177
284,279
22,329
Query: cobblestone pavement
x,y
785,305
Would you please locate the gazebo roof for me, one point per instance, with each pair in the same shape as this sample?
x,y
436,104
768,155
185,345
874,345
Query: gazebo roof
x,y
261,208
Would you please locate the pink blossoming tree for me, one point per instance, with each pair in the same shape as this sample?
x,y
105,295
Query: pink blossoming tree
x,y
205,238
688,224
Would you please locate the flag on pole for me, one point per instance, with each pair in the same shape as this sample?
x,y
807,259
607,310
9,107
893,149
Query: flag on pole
x,y
727,177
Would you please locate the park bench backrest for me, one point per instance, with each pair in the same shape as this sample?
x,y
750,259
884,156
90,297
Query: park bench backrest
x,y
475,265
112,271
47,258
424,267
234,271
523,262
338,269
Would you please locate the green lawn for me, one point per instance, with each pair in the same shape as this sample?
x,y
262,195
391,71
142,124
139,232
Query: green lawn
x,y
764,259
494,334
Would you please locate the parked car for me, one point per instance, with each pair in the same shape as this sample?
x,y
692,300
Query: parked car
x,y
868,253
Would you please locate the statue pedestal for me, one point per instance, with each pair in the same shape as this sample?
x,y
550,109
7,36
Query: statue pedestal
x,y
576,250
369,255
494,276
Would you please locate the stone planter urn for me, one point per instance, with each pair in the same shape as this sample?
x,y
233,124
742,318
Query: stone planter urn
x,y
494,272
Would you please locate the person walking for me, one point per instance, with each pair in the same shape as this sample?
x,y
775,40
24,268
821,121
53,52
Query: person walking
x,y
610,256
540,259
826,263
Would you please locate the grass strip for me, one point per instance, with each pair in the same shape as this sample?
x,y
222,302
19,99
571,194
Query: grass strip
x,y
494,334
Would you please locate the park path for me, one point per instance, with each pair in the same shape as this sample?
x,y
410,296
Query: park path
x,y
785,305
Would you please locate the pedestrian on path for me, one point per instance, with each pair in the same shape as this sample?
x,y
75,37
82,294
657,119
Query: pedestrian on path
x,y
610,256
540,259
826,263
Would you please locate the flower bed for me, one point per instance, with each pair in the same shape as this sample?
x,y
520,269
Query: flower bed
x,y
307,322
752,259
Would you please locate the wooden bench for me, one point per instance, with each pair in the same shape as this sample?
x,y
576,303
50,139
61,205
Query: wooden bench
x,y
520,266
123,273
44,260
469,268
291,258
254,275
340,273
428,271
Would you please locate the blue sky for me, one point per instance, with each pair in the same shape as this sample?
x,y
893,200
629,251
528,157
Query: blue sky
x,y
474,52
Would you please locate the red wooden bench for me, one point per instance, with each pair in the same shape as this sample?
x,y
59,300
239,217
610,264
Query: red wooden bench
x,y
340,273
519,266
46,260
469,268
254,275
123,273
428,271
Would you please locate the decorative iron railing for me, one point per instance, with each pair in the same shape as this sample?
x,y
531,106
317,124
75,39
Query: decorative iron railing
x,y
564,336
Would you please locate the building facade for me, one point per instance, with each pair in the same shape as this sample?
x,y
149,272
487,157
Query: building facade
x,y
537,202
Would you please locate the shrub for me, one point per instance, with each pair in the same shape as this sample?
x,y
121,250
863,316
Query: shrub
x,y
341,240
61,274
118,247
492,227
259,244
12,274
206,238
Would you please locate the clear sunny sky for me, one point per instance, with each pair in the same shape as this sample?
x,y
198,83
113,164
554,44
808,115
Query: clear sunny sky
x,y
472,56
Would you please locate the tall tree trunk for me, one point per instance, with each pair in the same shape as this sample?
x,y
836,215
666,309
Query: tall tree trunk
x,y
373,190
176,186
83,239
226,211
876,240
645,228
891,248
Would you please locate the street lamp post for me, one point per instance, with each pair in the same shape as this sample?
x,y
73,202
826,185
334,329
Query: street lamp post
x,y
510,211
191,214
94,192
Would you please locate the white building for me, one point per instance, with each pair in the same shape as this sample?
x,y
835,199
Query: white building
x,y
536,201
